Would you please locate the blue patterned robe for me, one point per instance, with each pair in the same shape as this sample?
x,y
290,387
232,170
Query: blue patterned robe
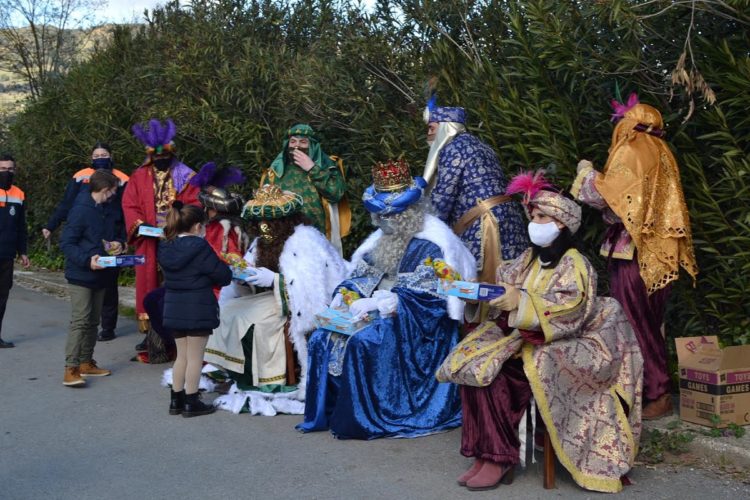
x,y
381,382
468,170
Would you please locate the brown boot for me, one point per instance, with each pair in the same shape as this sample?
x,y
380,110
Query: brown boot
x,y
72,377
91,370
661,407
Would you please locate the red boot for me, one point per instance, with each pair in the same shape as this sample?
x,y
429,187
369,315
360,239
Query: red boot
x,y
490,476
471,472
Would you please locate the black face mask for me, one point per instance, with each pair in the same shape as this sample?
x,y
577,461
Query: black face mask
x,y
6,179
162,164
100,163
290,154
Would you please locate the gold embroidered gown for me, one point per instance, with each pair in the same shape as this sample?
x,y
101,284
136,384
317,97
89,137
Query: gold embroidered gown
x,y
586,376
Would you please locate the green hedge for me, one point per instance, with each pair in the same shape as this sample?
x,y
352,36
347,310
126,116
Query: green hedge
x,y
535,77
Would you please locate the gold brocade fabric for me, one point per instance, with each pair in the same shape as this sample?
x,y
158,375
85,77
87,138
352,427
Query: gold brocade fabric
x,y
164,194
587,377
641,184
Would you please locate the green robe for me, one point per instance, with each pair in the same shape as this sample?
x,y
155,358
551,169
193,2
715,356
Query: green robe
x,y
320,182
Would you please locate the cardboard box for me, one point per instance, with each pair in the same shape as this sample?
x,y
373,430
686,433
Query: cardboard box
x,y
122,260
714,382
151,231
470,290
339,321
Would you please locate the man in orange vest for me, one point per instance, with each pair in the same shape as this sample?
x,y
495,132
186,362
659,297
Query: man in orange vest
x,y
13,237
101,158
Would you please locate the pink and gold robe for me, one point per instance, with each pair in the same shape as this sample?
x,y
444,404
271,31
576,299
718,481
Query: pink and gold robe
x,y
586,378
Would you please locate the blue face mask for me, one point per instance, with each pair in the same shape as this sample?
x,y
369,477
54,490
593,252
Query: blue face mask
x,y
100,163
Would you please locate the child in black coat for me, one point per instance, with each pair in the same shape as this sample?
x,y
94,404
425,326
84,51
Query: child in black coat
x,y
191,270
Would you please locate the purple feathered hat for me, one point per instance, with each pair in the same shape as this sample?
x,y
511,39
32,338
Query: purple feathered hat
x,y
213,183
158,137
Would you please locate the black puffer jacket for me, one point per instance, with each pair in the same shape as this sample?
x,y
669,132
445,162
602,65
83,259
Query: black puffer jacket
x,y
191,270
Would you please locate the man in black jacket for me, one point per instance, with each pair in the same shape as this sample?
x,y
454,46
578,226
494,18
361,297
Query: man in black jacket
x,y
13,237
94,228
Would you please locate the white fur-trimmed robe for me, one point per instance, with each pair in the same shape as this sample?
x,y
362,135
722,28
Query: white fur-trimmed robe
x,y
311,268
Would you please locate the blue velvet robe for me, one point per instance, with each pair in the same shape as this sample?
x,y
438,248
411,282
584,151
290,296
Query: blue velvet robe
x,y
468,170
381,382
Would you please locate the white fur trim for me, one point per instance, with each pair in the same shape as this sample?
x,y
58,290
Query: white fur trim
x,y
454,252
260,403
226,226
312,269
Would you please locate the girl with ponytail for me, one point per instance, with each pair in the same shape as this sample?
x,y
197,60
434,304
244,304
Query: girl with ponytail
x,y
191,271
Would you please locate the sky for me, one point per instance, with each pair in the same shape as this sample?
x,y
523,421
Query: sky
x,y
127,10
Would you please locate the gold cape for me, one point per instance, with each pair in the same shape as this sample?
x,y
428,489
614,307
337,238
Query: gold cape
x,y
641,184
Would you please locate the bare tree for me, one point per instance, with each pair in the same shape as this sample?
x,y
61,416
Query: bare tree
x,y
37,37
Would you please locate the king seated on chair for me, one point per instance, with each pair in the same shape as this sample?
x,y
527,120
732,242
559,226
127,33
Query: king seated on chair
x,y
294,270
380,381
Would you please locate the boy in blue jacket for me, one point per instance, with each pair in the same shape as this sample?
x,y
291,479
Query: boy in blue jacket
x,y
94,228
101,159
13,235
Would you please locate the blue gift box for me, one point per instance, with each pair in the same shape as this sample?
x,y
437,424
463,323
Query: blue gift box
x,y
154,232
122,260
470,290
339,321
242,274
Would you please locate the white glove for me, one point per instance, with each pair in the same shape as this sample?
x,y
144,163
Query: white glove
x,y
387,302
337,302
263,277
361,307
582,165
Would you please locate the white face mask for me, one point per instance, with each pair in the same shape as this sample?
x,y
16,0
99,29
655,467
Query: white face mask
x,y
543,234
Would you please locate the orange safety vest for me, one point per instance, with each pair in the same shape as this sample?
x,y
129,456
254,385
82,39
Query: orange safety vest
x,y
84,175
12,195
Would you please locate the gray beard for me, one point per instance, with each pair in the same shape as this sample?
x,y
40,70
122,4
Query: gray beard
x,y
390,248
389,251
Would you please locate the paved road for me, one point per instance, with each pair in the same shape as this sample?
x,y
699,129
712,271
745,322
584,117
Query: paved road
x,y
114,439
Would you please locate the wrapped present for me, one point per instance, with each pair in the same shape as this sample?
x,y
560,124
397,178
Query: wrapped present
x,y
340,321
470,290
150,231
122,260
242,274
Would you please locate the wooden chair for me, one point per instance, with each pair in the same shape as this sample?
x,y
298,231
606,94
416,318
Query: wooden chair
x,y
291,358
548,463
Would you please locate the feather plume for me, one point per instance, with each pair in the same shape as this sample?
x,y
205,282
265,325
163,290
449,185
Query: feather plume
x,y
228,176
153,132
170,130
140,134
205,176
621,108
431,105
528,183
157,134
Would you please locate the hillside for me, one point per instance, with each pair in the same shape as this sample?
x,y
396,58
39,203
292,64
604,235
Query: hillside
x,y
14,88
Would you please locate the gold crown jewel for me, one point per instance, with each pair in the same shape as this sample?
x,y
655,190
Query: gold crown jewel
x,y
391,176
268,193
270,202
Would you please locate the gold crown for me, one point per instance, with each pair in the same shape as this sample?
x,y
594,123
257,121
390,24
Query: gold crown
x,y
391,176
270,202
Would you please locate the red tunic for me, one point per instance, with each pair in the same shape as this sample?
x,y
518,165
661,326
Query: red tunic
x,y
215,238
139,207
